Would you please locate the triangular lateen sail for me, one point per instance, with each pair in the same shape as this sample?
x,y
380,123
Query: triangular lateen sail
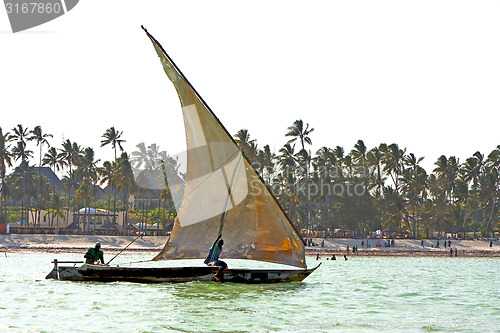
x,y
220,180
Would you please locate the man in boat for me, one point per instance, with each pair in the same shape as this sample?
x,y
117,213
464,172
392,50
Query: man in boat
x,y
213,258
94,254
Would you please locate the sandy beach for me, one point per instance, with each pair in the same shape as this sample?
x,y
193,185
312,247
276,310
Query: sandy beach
x,y
406,247
337,246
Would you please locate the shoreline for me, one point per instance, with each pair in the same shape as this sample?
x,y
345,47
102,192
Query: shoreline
x,y
59,244
323,253
405,253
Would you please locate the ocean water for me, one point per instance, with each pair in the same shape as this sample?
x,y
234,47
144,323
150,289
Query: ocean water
x,y
363,294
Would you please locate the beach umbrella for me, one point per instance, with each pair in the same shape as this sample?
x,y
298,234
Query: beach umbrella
x,y
89,210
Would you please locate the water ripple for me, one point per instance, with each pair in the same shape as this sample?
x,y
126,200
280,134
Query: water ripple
x,y
366,294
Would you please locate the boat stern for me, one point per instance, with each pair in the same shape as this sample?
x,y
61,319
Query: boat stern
x,y
69,273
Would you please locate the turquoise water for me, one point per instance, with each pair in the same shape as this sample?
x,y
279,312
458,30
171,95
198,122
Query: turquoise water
x,y
362,294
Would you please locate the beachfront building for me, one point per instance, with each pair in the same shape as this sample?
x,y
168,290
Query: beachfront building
x,y
98,221
85,221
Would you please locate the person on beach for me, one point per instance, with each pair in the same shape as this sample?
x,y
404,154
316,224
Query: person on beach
x,y
345,257
422,243
333,257
318,257
451,252
94,254
456,252
437,244
213,259
449,243
491,244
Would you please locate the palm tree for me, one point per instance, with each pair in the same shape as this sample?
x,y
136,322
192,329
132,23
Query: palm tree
x,y
359,153
87,168
112,137
297,131
489,188
107,174
41,139
472,168
338,152
266,160
140,158
156,156
69,153
249,147
470,172
466,201
287,162
5,161
493,157
414,187
323,175
87,165
52,159
489,192
393,158
19,152
67,156
323,162
375,158
360,158
242,138
125,182
20,135
447,174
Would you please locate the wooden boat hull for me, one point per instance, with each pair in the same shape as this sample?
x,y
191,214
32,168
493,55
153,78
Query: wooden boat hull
x,y
176,274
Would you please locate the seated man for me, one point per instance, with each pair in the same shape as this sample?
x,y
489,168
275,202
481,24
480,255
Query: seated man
x,y
94,255
213,258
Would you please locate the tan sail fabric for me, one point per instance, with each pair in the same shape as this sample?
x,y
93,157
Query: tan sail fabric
x,y
220,180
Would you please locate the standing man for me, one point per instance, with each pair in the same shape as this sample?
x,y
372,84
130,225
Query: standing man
x,y
213,258
94,255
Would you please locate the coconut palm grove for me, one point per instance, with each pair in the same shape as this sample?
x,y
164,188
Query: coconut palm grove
x,y
333,192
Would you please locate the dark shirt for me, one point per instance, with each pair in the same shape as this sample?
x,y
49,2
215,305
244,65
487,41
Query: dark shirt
x,y
213,254
94,255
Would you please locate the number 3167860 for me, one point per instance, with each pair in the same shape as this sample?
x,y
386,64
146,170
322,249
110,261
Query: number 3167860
x,y
33,7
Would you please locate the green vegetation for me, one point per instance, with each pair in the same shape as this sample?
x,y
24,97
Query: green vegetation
x,y
382,188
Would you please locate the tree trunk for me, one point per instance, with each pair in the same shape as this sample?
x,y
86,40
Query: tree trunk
x,y
486,228
37,204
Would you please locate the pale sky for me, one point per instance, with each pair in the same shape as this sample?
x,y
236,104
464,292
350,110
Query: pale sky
x,y
424,74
